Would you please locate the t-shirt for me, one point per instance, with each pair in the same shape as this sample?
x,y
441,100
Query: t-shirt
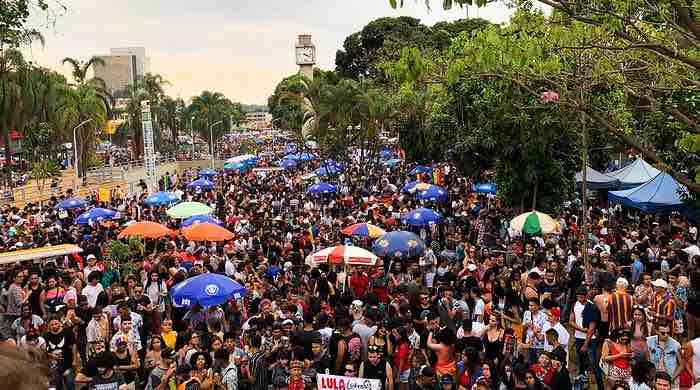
x,y
303,339
112,383
61,346
92,292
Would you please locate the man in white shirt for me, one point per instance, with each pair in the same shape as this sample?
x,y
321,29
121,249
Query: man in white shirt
x,y
230,267
90,267
93,288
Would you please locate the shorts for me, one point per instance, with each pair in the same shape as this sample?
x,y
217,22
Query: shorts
x,y
616,374
403,376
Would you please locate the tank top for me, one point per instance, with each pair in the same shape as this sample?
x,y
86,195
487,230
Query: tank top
x,y
33,300
129,376
54,297
695,343
621,363
375,372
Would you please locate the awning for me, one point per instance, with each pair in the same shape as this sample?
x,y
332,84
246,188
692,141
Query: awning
x,y
39,253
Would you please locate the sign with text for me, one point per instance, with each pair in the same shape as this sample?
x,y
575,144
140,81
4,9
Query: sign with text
x,y
335,382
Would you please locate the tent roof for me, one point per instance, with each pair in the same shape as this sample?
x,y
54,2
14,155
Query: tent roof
x,y
634,174
597,181
662,194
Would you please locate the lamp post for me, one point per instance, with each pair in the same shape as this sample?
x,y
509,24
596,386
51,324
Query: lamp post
x,y
211,142
76,157
192,135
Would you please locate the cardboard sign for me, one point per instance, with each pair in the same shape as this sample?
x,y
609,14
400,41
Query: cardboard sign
x,y
335,382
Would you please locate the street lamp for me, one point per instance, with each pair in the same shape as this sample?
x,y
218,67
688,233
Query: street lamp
x,y
76,157
192,135
211,141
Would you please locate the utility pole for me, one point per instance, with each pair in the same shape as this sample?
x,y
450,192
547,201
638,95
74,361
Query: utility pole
x,y
584,198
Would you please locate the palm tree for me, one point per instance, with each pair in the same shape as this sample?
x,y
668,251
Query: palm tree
x,y
12,77
80,68
208,108
308,93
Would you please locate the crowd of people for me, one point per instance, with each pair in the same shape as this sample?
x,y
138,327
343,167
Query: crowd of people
x,y
483,307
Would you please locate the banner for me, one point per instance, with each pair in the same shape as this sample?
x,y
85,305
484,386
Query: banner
x,y
104,195
335,382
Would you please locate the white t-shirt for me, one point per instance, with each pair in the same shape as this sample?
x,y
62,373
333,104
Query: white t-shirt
x,y
578,315
91,292
478,309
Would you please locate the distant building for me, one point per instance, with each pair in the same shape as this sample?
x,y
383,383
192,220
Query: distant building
x,y
143,63
258,120
118,72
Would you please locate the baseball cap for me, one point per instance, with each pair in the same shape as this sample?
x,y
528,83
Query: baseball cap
x,y
427,371
659,283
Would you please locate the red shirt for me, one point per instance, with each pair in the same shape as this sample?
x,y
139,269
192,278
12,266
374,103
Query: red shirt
x,y
359,284
401,357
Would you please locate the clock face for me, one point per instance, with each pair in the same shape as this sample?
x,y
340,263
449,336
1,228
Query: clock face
x,y
305,55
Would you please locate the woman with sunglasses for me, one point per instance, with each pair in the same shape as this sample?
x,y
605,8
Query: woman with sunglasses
x,y
640,332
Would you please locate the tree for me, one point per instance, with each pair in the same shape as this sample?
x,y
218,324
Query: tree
x,y
43,170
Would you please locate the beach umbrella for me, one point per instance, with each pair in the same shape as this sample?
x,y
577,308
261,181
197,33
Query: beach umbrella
x,y
422,217
96,215
293,157
307,157
413,186
206,232
201,219
485,188
146,229
327,171
534,222
392,162
188,209
420,169
322,188
241,158
290,149
344,254
71,203
208,173
433,193
160,198
400,243
236,166
363,230
287,164
201,184
259,142
206,290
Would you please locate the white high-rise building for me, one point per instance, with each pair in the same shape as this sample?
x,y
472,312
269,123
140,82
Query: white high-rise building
x,y
143,63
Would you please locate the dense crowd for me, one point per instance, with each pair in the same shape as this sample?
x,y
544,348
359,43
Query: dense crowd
x,y
483,307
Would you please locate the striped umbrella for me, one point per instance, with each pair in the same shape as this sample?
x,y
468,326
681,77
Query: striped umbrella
x,y
363,229
344,254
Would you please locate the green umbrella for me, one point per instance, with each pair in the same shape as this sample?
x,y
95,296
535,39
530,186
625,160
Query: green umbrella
x,y
534,223
189,209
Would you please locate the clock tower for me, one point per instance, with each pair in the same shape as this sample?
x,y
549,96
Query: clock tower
x,y
305,53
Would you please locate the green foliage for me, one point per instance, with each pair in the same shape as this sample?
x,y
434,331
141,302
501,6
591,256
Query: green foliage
x,y
118,251
43,170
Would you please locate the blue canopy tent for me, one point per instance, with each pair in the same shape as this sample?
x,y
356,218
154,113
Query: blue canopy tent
x,y
634,174
597,181
663,194
421,169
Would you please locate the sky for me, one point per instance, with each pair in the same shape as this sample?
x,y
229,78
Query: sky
x,y
241,48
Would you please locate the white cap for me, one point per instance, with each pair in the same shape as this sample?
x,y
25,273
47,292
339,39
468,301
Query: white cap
x,y
471,267
659,283
91,257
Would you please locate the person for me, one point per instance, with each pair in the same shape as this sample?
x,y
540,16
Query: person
x,y
663,306
617,353
560,379
425,379
534,320
375,367
26,322
638,377
662,381
583,319
258,364
162,376
229,375
665,352
444,350
63,353
153,354
93,288
126,362
620,306
640,331
562,334
107,377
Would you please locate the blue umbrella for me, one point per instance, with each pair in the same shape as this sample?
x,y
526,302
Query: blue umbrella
x,y
293,157
160,198
259,142
207,290
236,166
71,203
386,153
95,215
307,157
399,244
287,164
208,173
409,187
290,148
485,188
201,184
322,188
339,166
330,170
420,169
422,217
434,194
201,219
392,163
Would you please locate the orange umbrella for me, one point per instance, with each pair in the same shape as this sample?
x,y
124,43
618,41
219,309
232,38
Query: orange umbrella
x,y
206,232
146,229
